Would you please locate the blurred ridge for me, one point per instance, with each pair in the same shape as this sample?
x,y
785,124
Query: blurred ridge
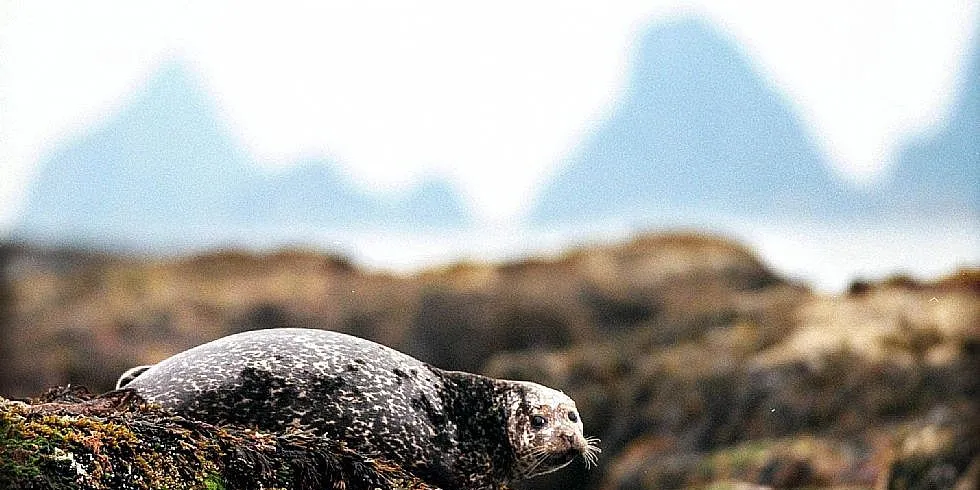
x,y
166,168
699,131
698,138
942,172
699,134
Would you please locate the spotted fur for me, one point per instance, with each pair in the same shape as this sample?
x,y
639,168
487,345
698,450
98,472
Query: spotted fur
x,y
452,429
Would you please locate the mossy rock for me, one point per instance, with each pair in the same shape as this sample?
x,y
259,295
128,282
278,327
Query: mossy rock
x,y
69,439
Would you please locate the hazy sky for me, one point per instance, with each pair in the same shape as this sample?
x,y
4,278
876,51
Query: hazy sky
x,y
491,95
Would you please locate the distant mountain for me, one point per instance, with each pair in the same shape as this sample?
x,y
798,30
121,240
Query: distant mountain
x,y
166,170
314,193
941,173
699,133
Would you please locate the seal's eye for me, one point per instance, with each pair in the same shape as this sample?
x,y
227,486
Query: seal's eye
x,y
572,416
538,421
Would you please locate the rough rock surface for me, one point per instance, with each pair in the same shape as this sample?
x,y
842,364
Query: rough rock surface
x,y
693,362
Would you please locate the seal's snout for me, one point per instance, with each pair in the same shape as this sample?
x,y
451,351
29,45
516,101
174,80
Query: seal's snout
x,y
573,442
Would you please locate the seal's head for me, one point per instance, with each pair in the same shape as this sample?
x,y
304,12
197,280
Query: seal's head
x,y
545,430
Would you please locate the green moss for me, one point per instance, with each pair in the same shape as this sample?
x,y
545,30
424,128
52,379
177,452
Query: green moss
x,y
113,443
214,482
21,453
98,452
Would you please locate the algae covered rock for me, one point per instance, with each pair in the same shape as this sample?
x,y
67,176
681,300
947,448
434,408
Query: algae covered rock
x,y
69,439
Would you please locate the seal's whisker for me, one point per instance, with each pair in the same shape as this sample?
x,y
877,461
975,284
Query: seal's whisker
x,y
539,456
591,452
591,460
593,443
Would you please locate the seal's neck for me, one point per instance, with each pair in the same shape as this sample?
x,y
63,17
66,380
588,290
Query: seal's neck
x,y
478,406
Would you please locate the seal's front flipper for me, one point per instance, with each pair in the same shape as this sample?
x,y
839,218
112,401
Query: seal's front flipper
x,y
131,374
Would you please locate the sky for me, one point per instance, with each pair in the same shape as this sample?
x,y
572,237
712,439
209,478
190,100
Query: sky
x,y
490,96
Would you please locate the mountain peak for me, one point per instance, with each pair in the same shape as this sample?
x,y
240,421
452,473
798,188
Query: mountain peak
x,y
941,173
166,170
698,131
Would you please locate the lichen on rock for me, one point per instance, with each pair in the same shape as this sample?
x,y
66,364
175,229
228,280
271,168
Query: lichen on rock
x,y
68,438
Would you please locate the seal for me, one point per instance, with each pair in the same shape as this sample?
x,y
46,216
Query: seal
x,y
452,429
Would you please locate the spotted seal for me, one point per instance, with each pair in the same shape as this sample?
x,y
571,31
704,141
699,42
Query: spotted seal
x,y
453,429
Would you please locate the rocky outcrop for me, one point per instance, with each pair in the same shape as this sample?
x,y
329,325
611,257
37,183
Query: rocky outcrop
x,y
69,439
691,360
